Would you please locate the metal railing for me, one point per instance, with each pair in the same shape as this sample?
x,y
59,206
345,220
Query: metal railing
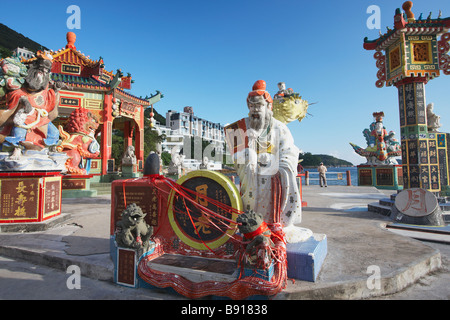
x,y
337,178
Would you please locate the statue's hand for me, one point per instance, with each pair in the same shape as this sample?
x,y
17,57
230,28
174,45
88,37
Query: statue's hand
x,y
26,104
58,85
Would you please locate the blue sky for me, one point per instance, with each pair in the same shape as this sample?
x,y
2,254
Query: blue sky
x,y
208,54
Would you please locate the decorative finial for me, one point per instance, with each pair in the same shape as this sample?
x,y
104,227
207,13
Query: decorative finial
x,y
152,120
71,38
409,14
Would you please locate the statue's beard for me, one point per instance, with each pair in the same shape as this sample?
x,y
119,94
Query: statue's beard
x,y
257,122
36,80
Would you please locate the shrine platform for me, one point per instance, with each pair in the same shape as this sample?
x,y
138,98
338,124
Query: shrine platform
x,y
358,243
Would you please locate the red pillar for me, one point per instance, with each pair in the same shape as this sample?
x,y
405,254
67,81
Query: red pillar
x,y
139,140
128,134
106,133
300,188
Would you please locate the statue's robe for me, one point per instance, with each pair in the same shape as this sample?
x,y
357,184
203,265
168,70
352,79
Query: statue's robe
x,y
260,159
45,100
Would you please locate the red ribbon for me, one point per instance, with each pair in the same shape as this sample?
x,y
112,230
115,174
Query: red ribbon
x,y
262,228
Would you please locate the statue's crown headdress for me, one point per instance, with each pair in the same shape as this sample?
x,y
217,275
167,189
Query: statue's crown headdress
x,y
378,116
259,89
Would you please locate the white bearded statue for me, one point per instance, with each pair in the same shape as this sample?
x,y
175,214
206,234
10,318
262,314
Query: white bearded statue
x,y
262,149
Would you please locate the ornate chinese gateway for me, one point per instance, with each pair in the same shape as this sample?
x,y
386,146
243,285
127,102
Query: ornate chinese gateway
x,y
408,56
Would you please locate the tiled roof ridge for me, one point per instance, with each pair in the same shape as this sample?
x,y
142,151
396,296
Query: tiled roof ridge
x,y
420,25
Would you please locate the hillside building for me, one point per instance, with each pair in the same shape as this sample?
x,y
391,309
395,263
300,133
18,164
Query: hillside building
x,y
23,53
182,127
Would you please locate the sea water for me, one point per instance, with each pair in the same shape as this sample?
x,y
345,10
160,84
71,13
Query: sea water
x,y
335,176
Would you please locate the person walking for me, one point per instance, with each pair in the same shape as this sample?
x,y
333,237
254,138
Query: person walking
x,y
322,175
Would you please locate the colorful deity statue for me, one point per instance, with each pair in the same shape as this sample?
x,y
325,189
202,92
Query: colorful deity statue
x,y
382,147
31,104
433,120
78,140
266,159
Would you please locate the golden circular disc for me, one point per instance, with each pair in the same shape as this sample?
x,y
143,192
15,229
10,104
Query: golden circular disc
x,y
213,185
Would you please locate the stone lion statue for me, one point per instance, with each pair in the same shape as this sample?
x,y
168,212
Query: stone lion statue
x,y
254,229
129,157
132,231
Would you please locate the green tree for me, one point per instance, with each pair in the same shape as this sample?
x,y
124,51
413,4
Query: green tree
x,y
5,53
166,158
117,148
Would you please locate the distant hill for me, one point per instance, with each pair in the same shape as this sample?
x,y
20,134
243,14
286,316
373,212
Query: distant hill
x,y
10,39
313,160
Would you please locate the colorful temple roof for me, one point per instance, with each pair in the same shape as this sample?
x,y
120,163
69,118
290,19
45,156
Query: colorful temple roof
x,y
414,49
80,82
74,68
409,26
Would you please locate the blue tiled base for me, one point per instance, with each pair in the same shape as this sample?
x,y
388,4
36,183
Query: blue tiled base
x,y
305,259
265,274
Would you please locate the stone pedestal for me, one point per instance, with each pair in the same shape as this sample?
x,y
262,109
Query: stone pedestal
x,y
129,171
305,259
418,207
29,196
388,177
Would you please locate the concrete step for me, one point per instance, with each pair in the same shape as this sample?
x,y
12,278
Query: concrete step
x,y
101,184
430,233
101,187
446,216
385,210
387,202
379,208
103,192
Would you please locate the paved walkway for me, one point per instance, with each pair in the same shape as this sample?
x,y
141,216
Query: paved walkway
x,y
364,260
